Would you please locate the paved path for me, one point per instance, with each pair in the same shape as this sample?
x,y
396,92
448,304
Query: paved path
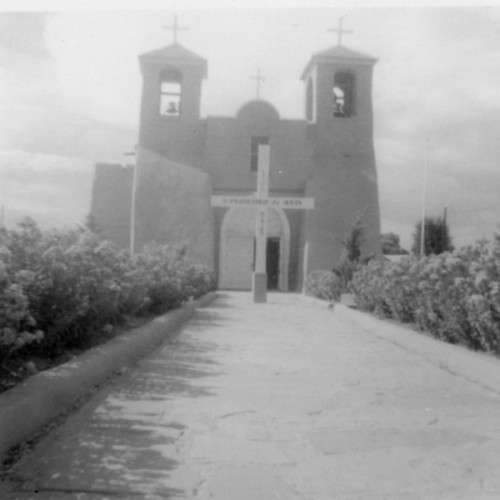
x,y
285,400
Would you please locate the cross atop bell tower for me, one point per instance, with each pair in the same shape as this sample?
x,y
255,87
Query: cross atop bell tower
x,y
340,31
175,28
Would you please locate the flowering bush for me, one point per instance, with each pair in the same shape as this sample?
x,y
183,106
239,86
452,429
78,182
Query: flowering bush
x,y
16,322
453,296
57,288
324,284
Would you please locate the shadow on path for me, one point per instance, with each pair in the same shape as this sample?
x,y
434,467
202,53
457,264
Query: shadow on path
x,y
122,442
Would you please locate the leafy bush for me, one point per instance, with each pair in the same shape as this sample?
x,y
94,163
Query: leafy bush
x,y
324,285
16,322
453,296
58,288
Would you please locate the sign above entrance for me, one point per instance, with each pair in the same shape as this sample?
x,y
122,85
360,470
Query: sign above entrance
x,y
255,202
262,202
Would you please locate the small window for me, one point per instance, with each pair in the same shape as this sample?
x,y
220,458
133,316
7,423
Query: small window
x,y
254,151
170,94
309,101
343,95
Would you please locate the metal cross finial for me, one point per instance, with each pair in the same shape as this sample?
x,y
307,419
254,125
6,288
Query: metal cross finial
x,y
175,28
339,30
259,79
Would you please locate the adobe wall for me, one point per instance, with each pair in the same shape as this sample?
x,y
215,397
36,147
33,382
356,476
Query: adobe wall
x,y
341,197
344,183
228,150
111,201
173,207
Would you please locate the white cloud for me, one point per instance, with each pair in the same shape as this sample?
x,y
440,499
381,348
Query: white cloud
x,y
53,190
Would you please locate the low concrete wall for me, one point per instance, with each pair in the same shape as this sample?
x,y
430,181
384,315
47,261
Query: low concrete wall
x,y
29,406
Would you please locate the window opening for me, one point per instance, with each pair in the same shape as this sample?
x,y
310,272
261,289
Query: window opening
x,y
254,151
343,95
170,95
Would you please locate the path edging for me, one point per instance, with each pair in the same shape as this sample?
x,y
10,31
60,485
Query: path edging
x,y
477,367
26,408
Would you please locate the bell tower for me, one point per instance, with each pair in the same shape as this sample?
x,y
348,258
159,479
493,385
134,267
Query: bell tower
x,y
170,192
339,115
170,103
338,84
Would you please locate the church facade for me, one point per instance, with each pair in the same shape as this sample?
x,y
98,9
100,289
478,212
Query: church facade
x,y
182,160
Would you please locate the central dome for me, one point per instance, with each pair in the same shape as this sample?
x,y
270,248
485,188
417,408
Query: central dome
x,y
258,113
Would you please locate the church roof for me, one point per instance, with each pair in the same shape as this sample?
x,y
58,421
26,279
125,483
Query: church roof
x,y
339,52
175,54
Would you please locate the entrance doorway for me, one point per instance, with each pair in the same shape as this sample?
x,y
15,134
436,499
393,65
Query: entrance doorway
x,y
273,253
239,263
237,249
273,263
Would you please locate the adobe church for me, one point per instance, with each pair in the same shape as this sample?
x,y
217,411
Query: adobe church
x,y
183,160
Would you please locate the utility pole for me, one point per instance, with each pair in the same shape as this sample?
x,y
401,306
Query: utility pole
x,y
424,194
132,202
445,213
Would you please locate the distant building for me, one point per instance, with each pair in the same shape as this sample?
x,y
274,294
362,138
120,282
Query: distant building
x,y
182,160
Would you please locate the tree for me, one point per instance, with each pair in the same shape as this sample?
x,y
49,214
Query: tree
x,y
353,240
351,256
437,237
391,246
496,244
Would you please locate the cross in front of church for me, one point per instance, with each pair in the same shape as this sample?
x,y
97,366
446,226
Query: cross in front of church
x,y
340,31
262,202
259,78
175,28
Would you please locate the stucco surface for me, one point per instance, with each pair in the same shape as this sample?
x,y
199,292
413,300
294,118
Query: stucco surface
x,y
173,206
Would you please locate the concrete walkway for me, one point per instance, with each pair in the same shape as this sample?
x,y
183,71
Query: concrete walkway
x,y
284,400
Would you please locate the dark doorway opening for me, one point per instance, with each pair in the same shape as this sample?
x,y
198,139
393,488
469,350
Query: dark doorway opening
x,y
273,263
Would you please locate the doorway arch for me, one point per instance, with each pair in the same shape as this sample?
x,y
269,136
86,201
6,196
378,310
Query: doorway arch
x,y
237,250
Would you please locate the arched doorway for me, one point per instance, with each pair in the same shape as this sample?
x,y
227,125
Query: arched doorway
x,y
237,249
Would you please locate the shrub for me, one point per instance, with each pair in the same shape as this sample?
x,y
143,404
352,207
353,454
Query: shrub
x,y
58,288
324,285
16,322
453,296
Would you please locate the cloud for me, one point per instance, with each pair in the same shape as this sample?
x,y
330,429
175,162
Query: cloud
x,y
35,113
53,190
48,143
442,90
24,32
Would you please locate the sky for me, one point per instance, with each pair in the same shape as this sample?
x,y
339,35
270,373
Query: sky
x,y
70,95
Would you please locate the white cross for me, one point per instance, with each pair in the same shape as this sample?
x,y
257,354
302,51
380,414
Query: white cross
x,y
262,202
